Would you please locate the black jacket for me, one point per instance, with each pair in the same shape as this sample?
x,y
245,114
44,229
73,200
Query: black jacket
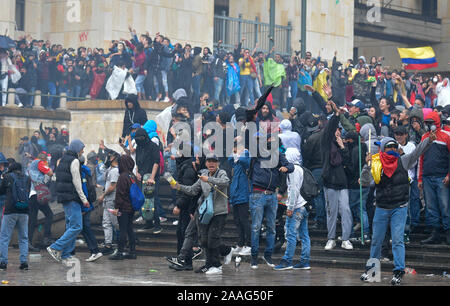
x,y
393,192
187,175
312,151
6,189
65,190
333,174
352,169
132,116
147,153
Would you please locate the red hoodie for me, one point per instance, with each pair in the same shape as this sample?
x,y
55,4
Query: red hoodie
x,y
435,161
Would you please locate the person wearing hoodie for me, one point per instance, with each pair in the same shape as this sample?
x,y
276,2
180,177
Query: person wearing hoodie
x,y
133,114
14,214
389,172
443,92
124,210
147,161
289,138
338,81
297,218
336,158
70,193
434,179
267,121
416,125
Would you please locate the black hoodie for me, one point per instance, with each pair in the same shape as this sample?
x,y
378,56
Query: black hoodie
x,y
147,153
123,201
132,116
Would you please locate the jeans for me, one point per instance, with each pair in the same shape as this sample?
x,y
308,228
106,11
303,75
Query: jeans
x,y
297,226
294,91
218,85
31,101
353,195
189,239
257,89
140,83
415,205
77,91
237,98
66,243
397,220
126,229
319,201
263,205
33,214
247,82
88,234
436,199
51,91
241,215
8,224
337,201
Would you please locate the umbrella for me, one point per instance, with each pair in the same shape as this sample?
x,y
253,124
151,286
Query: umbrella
x,y
6,42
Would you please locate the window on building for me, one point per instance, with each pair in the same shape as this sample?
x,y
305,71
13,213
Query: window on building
x,y
220,6
429,8
20,15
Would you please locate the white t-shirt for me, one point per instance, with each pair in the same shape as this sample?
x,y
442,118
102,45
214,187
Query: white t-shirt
x,y
408,149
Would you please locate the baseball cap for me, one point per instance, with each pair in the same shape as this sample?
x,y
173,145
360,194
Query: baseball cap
x,y
135,126
357,103
386,142
211,156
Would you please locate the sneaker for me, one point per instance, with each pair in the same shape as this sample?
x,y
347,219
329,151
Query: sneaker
x,y
397,277
158,99
48,242
254,262
162,219
347,245
167,99
236,250
214,271
24,266
385,259
131,255
33,249
365,277
80,242
3,266
116,255
202,269
20,105
284,265
330,245
94,257
107,250
268,260
139,220
157,230
302,266
246,251
184,267
175,222
197,253
55,254
176,261
227,258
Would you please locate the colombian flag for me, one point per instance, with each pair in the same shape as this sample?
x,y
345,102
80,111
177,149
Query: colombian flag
x,y
418,58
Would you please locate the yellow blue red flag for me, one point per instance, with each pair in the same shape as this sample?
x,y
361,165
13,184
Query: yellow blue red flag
x,y
418,58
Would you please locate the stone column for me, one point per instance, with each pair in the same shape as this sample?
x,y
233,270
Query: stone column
x,y
63,101
11,98
38,100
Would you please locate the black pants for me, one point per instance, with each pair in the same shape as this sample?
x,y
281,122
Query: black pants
x,y
279,224
126,229
210,238
241,213
33,214
183,222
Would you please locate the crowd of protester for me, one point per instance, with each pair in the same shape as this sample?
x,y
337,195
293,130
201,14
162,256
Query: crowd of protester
x,y
342,125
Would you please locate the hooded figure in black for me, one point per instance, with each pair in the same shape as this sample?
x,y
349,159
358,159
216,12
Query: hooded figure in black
x,y
147,153
133,114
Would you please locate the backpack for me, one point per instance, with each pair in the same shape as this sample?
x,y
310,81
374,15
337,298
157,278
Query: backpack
x,y
310,188
92,192
206,210
19,192
136,196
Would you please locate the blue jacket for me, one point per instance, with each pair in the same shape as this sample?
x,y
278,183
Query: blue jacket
x,y
85,171
239,188
269,178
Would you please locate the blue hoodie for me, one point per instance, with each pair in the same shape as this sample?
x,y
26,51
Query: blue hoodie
x,y
85,171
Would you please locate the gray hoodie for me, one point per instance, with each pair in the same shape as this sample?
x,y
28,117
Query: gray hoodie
x,y
365,131
220,180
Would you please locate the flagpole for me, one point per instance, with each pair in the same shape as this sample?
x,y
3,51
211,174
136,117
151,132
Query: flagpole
x,y
360,191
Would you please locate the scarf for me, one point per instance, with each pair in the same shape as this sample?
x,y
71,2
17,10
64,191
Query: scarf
x,y
389,162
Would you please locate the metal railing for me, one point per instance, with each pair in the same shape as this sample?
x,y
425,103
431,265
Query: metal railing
x,y
231,31
389,4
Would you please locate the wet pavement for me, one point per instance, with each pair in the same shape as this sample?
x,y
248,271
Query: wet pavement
x,y
151,271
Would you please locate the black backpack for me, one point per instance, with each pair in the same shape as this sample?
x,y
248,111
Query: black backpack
x,y
310,188
20,191
92,192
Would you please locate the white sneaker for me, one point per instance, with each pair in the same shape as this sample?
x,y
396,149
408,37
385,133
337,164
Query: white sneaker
x,y
166,99
228,258
214,271
236,250
158,99
330,245
20,105
162,219
80,242
347,245
246,251
175,222
139,220
94,257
